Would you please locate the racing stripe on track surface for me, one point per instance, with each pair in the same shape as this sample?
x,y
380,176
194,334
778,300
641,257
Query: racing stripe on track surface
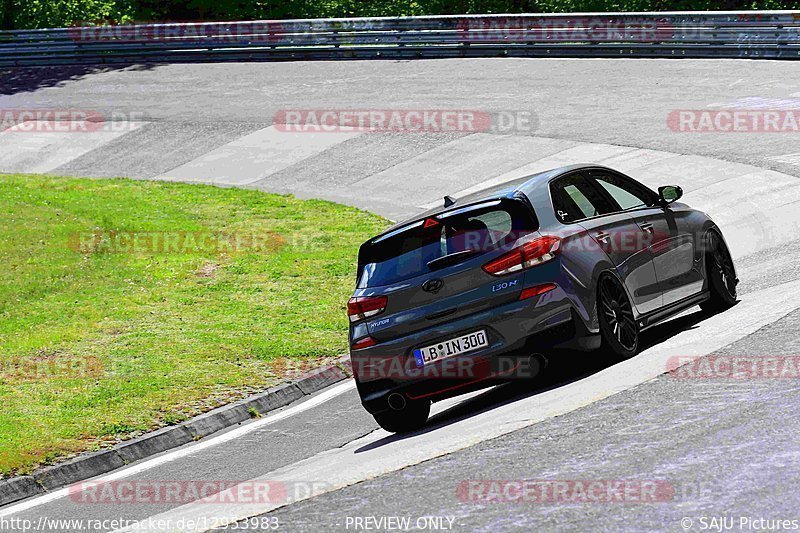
x,y
37,150
464,162
650,166
583,153
156,148
346,163
255,156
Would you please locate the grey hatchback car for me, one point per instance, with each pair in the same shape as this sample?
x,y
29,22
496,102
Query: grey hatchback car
x,y
460,297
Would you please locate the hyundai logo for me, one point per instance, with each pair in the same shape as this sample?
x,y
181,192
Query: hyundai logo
x,y
432,285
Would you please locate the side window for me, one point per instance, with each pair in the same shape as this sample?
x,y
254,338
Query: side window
x,y
575,198
626,193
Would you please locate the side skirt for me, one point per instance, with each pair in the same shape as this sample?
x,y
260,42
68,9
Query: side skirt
x,y
654,317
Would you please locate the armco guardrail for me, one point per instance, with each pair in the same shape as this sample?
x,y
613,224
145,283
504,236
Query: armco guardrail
x,y
748,34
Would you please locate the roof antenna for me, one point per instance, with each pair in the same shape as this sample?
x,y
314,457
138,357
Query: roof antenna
x,y
448,201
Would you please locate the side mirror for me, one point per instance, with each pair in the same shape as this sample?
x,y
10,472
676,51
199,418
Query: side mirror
x,y
669,193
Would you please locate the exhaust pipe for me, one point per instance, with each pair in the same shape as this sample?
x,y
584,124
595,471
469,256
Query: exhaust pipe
x,y
537,363
397,401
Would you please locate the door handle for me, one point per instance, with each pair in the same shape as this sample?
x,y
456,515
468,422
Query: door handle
x,y
602,237
646,226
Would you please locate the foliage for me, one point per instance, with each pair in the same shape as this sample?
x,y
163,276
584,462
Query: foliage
x,y
53,13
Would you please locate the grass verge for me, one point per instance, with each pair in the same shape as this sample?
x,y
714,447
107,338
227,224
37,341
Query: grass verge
x,y
128,305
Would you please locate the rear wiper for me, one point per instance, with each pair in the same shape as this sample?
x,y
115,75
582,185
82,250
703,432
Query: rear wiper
x,y
451,259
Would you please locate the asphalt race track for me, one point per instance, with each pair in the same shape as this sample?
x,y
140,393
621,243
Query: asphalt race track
x,y
725,447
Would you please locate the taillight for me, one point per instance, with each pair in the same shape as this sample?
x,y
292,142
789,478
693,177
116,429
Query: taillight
x,y
536,290
524,256
363,342
361,307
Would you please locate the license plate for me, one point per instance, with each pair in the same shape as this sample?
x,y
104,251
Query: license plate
x,y
449,348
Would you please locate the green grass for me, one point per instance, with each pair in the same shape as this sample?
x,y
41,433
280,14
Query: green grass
x,y
97,344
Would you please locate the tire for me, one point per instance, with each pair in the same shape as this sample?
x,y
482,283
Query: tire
x,y
720,274
411,418
619,330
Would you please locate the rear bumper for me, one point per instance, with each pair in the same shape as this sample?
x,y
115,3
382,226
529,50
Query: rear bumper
x,y
514,331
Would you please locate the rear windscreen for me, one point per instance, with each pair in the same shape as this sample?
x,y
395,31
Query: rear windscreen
x,y
406,252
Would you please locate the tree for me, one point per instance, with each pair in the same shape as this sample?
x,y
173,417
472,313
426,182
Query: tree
x,y
6,14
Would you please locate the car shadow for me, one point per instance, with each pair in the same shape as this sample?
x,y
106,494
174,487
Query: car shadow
x,y
566,367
